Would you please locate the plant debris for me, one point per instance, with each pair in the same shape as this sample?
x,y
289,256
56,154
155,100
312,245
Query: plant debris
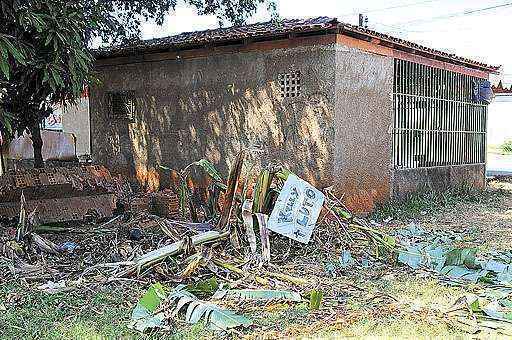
x,y
214,257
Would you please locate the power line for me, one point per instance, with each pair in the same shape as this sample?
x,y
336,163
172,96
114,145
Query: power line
x,y
453,15
398,28
387,8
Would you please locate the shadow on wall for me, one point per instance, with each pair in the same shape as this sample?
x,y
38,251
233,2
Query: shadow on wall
x,y
174,127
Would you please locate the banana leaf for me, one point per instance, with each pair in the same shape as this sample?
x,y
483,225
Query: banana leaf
x,y
258,294
215,317
143,315
249,224
210,169
260,191
315,299
232,185
264,236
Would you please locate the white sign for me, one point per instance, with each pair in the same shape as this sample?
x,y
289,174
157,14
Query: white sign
x,y
54,120
296,210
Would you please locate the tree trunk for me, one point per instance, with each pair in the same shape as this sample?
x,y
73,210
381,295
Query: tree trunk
x,y
37,142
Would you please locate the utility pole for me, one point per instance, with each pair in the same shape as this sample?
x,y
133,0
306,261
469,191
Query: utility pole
x,y
363,20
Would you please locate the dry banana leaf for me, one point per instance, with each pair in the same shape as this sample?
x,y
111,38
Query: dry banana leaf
x,y
249,224
264,235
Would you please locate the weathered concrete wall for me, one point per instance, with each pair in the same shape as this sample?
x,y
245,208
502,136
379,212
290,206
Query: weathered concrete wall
x,y
364,111
76,120
211,106
406,181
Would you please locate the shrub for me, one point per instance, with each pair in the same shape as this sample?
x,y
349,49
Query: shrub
x,y
507,146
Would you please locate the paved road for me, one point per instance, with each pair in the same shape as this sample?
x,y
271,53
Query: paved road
x,y
499,165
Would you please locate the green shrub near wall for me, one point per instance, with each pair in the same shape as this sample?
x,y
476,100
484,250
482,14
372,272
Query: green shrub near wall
x,y
506,146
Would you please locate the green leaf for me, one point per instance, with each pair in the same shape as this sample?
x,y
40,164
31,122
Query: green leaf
x,y
14,51
342,213
463,256
210,169
258,294
346,260
411,257
4,66
216,318
143,316
205,287
473,302
315,299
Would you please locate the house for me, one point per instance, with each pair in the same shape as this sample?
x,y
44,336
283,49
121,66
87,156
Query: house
x,y
65,135
372,115
500,116
73,118
499,161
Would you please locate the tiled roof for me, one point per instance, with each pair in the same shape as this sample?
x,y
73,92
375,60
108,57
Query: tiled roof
x,y
500,89
272,29
219,35
414,46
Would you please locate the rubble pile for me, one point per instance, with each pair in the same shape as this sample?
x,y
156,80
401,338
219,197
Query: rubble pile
x,y
61,194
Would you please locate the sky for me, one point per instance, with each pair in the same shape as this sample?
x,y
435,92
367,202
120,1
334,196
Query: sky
x,y
464,27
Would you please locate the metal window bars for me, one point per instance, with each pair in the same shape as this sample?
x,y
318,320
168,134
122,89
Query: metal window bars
x,y
436,120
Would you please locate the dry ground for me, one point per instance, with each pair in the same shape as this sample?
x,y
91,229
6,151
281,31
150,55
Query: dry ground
x,y
486,221
383,301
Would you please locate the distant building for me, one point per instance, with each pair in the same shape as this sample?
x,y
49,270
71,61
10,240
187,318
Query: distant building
x,y
374,116
73,118
499,127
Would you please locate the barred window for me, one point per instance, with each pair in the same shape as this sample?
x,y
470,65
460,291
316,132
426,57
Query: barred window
x,y
437,122
122,105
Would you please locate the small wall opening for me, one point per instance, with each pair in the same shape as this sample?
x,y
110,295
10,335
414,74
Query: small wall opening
x,y
437,121
290,84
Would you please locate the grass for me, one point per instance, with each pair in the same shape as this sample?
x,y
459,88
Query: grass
x,y
427,202
102,314
414,311
414,314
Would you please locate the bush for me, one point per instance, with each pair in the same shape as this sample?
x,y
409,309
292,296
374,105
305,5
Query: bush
x,y
507,146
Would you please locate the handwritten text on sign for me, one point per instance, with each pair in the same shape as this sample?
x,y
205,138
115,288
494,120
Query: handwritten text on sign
x,y
296,210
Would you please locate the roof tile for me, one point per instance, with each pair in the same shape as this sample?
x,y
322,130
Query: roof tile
x,y
272,29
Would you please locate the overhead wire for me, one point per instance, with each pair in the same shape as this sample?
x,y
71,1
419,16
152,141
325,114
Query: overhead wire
x,y
397,27
453,15
387,8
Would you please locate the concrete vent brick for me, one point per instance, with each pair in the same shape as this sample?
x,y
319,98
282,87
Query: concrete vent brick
x,y
290,84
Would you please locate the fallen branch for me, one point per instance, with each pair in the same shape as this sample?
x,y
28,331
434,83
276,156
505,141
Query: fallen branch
x,y
175,248
261,280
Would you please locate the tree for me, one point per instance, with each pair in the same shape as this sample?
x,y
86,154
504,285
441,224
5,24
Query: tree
x,y
45,49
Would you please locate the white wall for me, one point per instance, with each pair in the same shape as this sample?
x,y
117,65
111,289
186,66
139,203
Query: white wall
x,y
499,128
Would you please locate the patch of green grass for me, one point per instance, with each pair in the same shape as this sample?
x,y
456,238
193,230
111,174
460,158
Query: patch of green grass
x,y
102,314
415,315
428,201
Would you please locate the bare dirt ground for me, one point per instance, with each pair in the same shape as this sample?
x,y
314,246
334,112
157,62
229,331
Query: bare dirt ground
x,y
485,222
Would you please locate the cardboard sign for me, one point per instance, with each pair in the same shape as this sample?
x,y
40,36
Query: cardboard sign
x,y
296,210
